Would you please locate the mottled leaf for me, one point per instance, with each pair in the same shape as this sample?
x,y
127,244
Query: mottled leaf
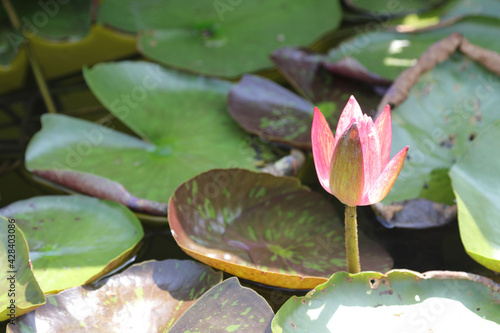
x,y
330,86
227,307
263,228
147,297
264,108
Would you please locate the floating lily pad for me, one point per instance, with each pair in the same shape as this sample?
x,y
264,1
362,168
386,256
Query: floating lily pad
x,y
227,307
264,108
54,20
73,240
263,228
224,38
391,8
329,88
183,118
475,182
389,53
415,214
399,301
457,9
9,49
147,297
445,110
20,290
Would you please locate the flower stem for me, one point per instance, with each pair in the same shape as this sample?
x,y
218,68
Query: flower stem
x,y
351,240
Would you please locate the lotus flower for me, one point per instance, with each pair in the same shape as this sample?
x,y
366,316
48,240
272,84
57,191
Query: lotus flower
x,y
354,165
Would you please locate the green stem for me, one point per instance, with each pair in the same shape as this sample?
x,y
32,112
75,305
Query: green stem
x,y
351,240
35,65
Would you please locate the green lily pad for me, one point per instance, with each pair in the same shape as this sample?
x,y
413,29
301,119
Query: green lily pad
x,y
147,297
73,240
456,9
10,42
182,117
224,38
392,8
264,228
399,301
448,13
476,183
227,307
20,290
54,20
389,53
445,110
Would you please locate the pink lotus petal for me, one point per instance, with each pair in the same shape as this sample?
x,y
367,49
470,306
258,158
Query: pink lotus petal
x,y
346,177
322,145
371,151
352,110
384,183
384,130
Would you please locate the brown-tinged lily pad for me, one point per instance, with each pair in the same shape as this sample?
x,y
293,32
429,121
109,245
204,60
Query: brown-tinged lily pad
x,y
73,240
264,228
408,214
328,82
147,297
20,290
227,307
264,108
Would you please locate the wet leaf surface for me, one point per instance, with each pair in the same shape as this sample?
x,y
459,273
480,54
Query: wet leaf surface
x,y
147,297
264,228
438,301
73,240
476,183
227,307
